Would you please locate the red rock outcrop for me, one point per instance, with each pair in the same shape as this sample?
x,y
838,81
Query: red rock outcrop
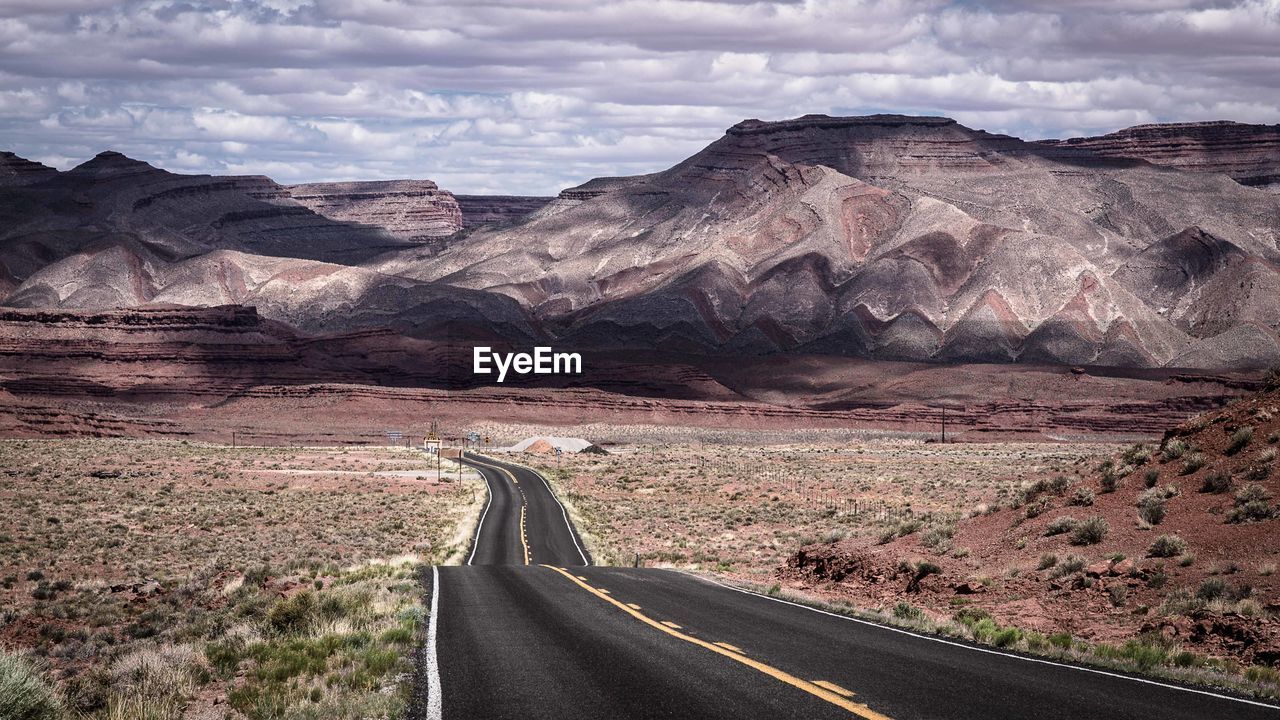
x,y
1250,154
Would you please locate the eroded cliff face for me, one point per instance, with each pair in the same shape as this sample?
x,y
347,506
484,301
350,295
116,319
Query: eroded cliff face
x,y
413,210
480,210
1250,154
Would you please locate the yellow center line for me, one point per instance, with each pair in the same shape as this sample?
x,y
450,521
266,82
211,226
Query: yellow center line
x,y
633,606
833,687
737,649
814,689
671,625
524,540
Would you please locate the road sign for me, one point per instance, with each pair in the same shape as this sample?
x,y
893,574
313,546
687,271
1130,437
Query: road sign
x,y
394,437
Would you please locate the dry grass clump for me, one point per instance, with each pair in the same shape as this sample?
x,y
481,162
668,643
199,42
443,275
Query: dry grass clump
x,y
24,694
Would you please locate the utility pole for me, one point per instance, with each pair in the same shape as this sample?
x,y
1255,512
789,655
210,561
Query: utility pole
x,y
233,438
944,423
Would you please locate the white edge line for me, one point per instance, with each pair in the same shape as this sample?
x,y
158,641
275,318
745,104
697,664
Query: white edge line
x,y
989,651
475,543
435,704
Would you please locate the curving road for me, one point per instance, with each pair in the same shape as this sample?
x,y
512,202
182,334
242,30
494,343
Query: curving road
x,y
521,500
558,638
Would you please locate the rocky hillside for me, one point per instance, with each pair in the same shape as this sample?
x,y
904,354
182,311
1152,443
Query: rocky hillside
x,y
1250,154
413,210
895,237
1175,540
112,201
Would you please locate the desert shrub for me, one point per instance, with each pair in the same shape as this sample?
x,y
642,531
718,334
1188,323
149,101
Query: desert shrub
x,y
1252,492
1211,589
1262,674
292,615
1167,546
902,529
1251,511
1118,594
1274,437
1193,463
1174,450
1047,561
1137,455
906,611
1145,653
1151,506
1060,525
1240,439
1006,637
1090,531
155,683
1083,497
1030,492
1151,477
24,695
1218,481
938,538
1112,475
969,616
1036,508
1267,456
1070,564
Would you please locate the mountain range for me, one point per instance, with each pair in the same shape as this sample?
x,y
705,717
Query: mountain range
x,y
885,237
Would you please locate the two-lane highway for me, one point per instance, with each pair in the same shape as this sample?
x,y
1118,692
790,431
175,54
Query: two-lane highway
x,y
560,639
523,522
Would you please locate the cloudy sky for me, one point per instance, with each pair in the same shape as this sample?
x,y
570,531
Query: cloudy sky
x,y
530,96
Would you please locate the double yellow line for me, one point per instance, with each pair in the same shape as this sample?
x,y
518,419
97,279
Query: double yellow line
x,y
524,538
823,689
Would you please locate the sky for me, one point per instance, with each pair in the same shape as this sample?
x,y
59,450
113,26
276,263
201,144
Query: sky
x,y
529,97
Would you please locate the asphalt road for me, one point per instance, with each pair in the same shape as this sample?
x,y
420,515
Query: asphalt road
x,y
555,639
523,523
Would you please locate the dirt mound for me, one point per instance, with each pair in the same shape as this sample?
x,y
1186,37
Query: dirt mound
x,y
539,447
1176,539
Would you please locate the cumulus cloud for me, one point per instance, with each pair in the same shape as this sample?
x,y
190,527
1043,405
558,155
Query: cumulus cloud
x,y
530,96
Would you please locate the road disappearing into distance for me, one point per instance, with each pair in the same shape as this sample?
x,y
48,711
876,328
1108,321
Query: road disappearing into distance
x,y
529,628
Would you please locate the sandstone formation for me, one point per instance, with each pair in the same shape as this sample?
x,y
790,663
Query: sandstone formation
x,y
1250,154
198,372
892,237
413,210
